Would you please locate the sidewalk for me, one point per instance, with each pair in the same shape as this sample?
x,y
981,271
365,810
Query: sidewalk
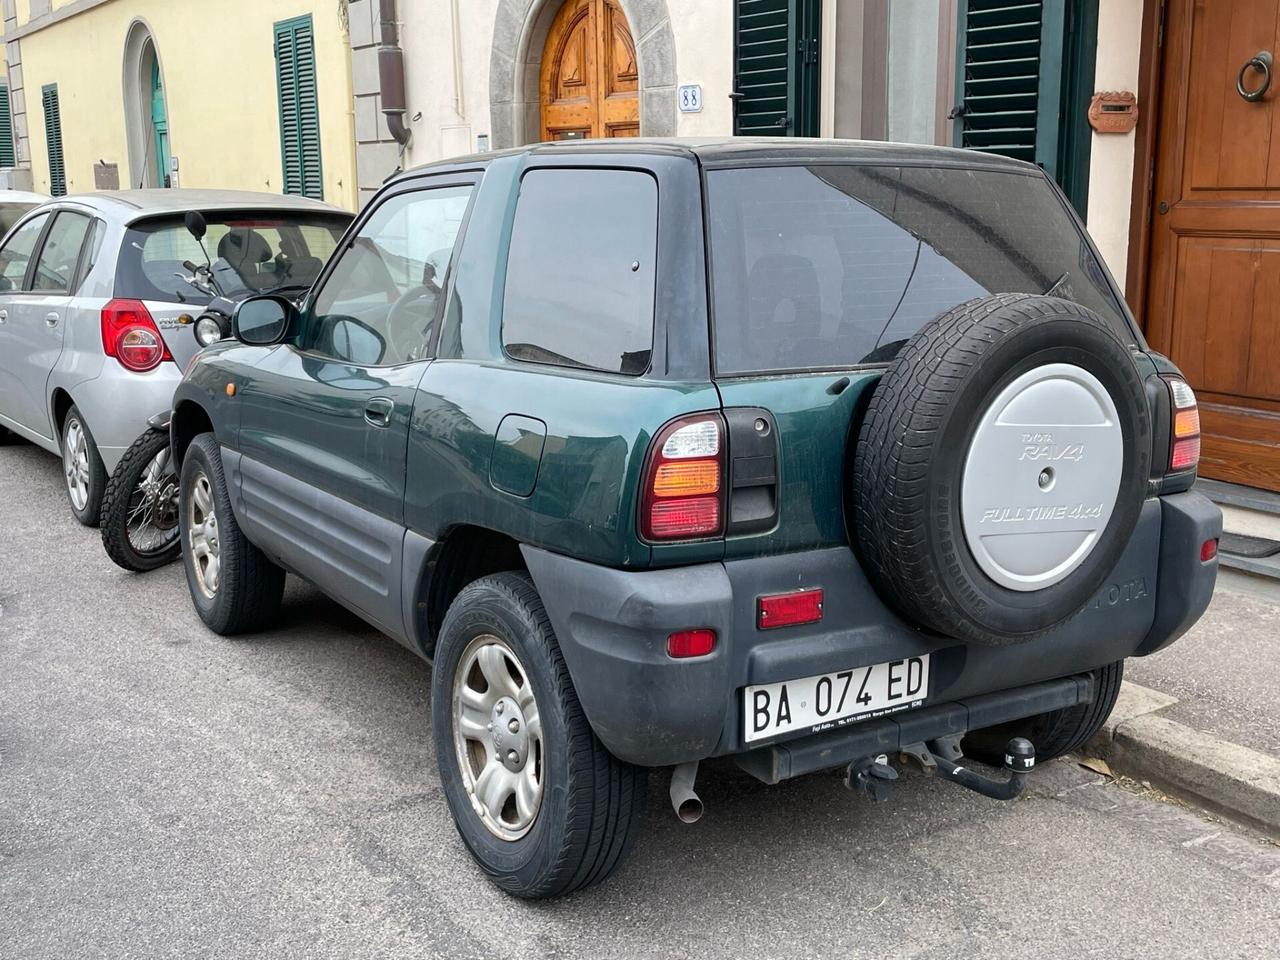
x,y
1202,717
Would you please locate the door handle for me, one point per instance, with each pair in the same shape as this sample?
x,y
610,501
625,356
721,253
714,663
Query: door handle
x,y
377,412
4,316
51,319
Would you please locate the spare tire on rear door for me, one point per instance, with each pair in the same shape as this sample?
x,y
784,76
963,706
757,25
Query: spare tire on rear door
x,y
1000,468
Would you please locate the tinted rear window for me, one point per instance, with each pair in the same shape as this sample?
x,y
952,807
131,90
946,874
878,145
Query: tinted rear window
x,y
835,266
252,253
580,275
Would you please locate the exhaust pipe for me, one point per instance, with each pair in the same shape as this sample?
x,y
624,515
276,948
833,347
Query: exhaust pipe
x,y
684,801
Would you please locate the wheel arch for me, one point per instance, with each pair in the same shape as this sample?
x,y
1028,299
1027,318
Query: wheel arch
x,y
464,554
189,420
60,404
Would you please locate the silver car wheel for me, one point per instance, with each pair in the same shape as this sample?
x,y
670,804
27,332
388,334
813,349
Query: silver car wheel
x,y
202,534
75,463
497,734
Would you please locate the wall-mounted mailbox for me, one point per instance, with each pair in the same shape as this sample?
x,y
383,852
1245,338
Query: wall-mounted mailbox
x,y
1113,111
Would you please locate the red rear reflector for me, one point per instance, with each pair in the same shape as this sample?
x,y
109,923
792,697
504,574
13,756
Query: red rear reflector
x,y
685,517
788,609
1208,550
1186,453
691,643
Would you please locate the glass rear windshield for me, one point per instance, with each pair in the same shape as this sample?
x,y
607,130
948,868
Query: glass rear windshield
x,y
251,253
830,266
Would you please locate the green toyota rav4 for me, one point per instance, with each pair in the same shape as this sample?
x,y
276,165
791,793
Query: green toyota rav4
x,y
816,455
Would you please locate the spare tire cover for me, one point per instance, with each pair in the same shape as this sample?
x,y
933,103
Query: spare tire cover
x,y
1000,468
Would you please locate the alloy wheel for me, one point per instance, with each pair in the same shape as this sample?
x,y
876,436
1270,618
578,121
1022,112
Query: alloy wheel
x,y
75,463
497,734
202,533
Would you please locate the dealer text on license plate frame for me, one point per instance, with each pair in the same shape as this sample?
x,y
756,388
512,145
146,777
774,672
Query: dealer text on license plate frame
x,y
828,700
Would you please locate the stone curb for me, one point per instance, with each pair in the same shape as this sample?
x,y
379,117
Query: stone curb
x,y
1239,782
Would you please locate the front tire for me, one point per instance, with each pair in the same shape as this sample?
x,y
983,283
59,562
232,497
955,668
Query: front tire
x,y
235,587
82,469
140,529
540,803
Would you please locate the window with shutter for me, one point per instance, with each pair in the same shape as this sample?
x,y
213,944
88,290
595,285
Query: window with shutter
x,y
1022,71
8,157
53,140
776,69
299,107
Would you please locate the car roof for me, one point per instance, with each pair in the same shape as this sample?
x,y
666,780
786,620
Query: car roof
x,y
132,205
748,150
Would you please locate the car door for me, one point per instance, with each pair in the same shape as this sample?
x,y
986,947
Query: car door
x,y
325,417
19,333
45,313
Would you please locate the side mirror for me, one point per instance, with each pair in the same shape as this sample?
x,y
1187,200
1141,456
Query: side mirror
x,y
196,224
262,321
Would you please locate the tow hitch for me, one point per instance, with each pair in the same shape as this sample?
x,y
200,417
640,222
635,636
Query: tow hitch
x,y
872,776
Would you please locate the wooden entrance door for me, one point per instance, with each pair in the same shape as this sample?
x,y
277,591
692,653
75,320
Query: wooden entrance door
x,y
590,84
1214,282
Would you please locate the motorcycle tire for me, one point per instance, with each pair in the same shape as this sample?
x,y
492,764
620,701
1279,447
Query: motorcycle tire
x,y
142,498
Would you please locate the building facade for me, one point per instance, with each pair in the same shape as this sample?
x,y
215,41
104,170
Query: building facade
x,y
251,94
1176,170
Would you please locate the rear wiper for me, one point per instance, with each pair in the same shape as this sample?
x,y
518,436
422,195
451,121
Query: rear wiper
x,y
1057,284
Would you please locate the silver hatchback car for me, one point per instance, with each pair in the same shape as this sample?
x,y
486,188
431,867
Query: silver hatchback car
x,y
96,295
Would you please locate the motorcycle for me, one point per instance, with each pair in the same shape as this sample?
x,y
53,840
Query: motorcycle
x,y
139,516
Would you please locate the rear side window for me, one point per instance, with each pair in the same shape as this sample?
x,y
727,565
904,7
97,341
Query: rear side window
x,y
581,272
60,255
834,266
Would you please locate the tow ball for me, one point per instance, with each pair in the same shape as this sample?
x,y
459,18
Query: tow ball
x,y
872,776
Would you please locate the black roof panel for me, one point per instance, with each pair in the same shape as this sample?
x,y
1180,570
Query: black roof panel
x,y
715,151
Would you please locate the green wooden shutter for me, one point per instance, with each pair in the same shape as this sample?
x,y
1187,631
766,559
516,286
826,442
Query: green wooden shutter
x,y
1024,76
7,155
776,70
999,82
53,140
299,107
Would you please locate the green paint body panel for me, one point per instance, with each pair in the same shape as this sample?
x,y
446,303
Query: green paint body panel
x,y
517,453
598,429
813,434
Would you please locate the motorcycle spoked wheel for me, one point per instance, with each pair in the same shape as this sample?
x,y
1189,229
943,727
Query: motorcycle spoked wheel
x,y
139,517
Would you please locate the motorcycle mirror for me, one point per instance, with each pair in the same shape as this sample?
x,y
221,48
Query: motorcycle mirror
x,y
196,225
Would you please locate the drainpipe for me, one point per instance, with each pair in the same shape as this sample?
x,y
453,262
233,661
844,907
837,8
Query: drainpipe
x,y
391,76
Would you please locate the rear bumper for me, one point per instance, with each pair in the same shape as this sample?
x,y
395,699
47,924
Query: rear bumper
x,y
118,403
651,710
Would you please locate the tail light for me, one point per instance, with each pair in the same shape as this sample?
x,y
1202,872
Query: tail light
x,y
1184,451
684,480
131,336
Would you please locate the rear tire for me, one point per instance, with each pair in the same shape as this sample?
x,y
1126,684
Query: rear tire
x,y
243,594
1057,732
589,804
84,474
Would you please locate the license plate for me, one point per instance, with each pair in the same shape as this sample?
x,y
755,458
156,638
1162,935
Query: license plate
x,y
828,700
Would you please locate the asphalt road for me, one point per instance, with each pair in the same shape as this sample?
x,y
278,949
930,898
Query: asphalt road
x,y
168,793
